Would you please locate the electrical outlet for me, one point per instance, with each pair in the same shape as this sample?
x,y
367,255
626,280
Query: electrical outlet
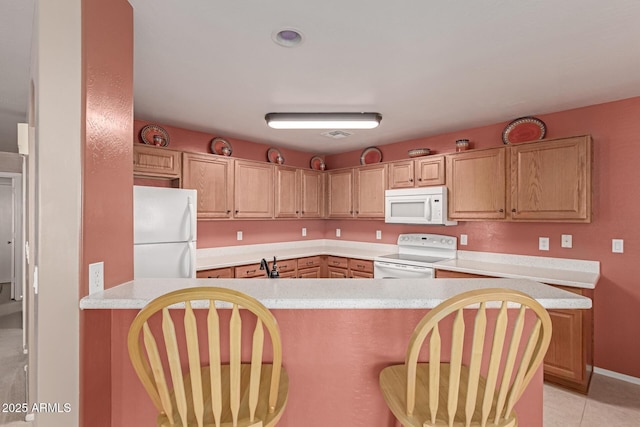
x,y
378,234
304,231
567,241
543,243
96,277
239,235
338,232
617,246
463,239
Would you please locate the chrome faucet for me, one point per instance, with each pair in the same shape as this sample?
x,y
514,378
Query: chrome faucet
x,y
273,273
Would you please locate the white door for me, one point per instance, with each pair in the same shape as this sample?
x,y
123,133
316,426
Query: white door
x,y
6,231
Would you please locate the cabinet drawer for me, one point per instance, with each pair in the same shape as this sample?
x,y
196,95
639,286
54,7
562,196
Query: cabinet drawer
x,y
285,265
312,261
249,270
216,273
338,262
361,265
446,274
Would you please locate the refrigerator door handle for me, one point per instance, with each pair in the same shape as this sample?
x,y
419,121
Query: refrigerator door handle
x,y
192,218
190,260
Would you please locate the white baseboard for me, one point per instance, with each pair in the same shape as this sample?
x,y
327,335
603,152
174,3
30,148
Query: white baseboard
x,y
617,375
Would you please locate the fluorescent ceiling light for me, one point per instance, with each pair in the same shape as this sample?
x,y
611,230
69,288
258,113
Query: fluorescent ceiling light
x,y
323,120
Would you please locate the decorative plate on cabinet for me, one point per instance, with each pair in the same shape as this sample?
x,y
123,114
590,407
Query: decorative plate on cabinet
x,y
274,156
370,155
419,152
154,135
221,147
524,129
317,163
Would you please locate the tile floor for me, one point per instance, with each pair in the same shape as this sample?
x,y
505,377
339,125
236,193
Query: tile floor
x,y
610,402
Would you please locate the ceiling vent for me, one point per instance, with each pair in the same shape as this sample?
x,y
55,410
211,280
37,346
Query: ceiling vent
x,y
336,134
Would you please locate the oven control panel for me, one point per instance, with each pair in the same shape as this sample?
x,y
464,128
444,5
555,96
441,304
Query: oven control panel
x,y
428,240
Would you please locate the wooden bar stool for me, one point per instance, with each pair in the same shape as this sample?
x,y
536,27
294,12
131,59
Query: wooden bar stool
x,y
454,393
233,394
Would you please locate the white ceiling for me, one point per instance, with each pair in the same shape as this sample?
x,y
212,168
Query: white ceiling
x,y
427,66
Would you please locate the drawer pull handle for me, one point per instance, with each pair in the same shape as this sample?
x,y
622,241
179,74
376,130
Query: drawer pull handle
x,y
419,179
251,271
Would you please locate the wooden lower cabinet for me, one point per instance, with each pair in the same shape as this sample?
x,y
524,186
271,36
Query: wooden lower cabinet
x,y
216,273
360,269
569,359
287,268
310,273
337,267
309,267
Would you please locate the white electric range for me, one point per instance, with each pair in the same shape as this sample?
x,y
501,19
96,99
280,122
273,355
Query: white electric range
x,y
416,255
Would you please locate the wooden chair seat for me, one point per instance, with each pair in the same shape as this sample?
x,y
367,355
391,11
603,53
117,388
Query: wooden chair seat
x,y
262,410
393,382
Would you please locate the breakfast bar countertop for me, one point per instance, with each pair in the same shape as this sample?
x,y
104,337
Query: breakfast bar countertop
x,y
333,293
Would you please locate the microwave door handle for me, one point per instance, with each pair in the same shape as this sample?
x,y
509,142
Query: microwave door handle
x,y
427,208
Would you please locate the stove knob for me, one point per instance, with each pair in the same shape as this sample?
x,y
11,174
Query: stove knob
x,y
450,241
442,241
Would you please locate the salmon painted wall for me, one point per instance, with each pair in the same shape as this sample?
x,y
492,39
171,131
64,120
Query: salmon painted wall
x,y
107,208
223,233
615,129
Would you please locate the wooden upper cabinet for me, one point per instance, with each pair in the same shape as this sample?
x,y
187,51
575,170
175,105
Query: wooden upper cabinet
x,y
476,181
212,177
340,193
311,193
430,171
421,172
298,193
370,182
551,180
154,162
401,174
253,189
287,192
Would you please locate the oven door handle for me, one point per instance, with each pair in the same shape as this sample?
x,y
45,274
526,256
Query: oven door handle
x,y
403,267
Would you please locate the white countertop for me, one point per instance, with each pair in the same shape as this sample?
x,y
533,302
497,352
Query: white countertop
x,y
333,293
556,271
229,256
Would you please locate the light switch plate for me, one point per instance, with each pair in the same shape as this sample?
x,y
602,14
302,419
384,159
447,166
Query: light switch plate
x,y
567,241
543,243
617,246
378,234
304,231
338,232
96,277
463,239
239,235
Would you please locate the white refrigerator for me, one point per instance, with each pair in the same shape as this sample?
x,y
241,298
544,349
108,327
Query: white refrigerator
x,y
164,232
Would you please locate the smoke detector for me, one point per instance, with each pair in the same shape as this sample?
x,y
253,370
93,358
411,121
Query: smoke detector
x,y
336,134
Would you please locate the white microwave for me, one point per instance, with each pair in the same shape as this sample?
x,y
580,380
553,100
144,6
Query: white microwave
x,y
426,205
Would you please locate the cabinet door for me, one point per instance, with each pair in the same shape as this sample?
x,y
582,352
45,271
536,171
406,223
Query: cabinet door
x,y
477,184
152,162
287,192
430,171
552,180
212,177
370,184
253,189
401,174
309,273
337,273
340,193
565,354
311,194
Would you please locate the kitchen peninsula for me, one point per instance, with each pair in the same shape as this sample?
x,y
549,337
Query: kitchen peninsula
x,y
337,335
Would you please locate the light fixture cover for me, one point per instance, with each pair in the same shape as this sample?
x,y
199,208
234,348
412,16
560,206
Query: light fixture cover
x,y
323,120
